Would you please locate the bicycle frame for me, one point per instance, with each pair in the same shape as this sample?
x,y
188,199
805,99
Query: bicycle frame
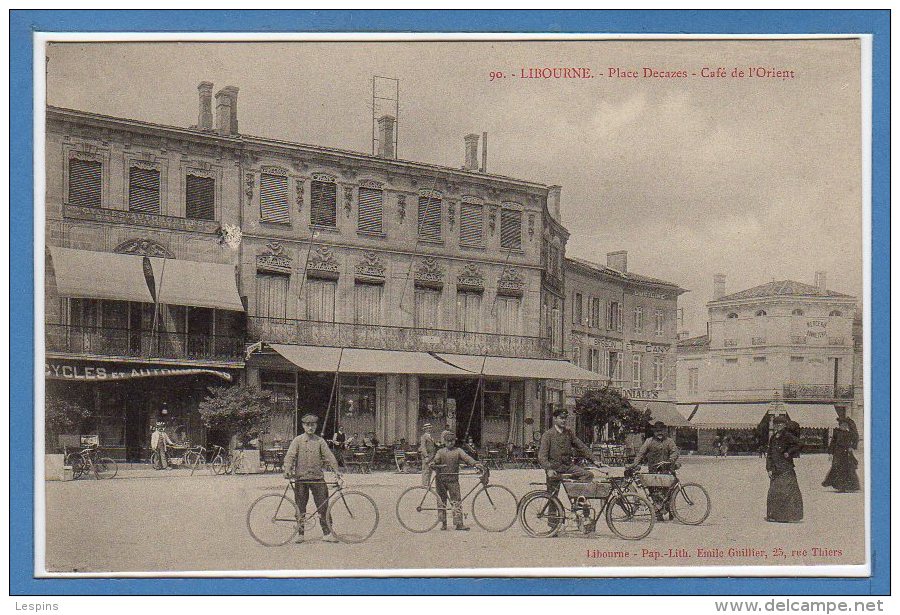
x,y
433,483
338,491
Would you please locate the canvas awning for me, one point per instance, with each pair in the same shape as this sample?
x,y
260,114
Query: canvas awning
x,y
209,285
365,361
85,274
510,367
815,416
728,416
662,411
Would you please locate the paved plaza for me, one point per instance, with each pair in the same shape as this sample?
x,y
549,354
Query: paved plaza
x,y
170,521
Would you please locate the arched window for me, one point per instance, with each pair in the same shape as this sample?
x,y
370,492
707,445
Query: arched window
x,y
761,313
797,312
732,315
835,313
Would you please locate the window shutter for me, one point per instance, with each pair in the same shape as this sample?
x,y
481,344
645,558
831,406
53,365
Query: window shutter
x,y
368,304
85,182
511,229
370,210
271,295
200,198
320,296
471,223
143,190
273,199
324,204
429,218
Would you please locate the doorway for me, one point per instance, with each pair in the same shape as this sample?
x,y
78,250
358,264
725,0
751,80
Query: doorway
x,y
314,389
468,409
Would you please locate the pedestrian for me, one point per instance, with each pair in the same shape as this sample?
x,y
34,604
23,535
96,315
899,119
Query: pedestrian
x,y
717,444
339,441
558,450
842,474
159,442
726,444
304,464
445,464
427,449
660,453
784,503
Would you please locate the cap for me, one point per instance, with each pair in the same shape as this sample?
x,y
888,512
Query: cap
x,y
781,418
447,434
426,426
309,417
560,412
659,425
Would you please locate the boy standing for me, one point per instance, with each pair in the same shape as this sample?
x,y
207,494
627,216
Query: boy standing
x,y
445,464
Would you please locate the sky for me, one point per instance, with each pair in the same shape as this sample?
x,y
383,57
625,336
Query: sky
x,y
754,177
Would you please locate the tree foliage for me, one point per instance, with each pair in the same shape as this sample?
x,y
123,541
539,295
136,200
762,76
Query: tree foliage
x,y
608,406
239,410
64,416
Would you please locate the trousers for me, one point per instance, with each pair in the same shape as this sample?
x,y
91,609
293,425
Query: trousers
x,y
449,489
319,492
426,474
576,472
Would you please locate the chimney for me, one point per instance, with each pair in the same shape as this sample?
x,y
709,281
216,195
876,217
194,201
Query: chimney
x,y
718,286
226,111
471,152
553,197
820,283
386,136
484,152
617,260
205,119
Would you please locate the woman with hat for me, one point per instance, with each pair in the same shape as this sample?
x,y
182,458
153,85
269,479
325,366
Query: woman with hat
x,y
842,475
784,503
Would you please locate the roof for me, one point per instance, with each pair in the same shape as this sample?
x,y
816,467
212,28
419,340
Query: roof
x,y
697,342
782,288
627,276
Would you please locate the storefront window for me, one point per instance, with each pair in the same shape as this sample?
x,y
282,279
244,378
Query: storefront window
x,y
433,404
496,423
357,404
282,386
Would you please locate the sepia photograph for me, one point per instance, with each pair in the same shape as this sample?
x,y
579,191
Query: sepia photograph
x,y
452,306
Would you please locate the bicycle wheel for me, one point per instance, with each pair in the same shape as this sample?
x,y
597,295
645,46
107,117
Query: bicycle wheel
x,y
272,520
690,504
154,461
630,516
542,515
417,509
494,508
352,516
218,464
77,463
105,468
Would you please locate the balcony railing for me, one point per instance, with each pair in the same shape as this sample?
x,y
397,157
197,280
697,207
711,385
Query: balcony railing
x,y
109,341
350,335
817,391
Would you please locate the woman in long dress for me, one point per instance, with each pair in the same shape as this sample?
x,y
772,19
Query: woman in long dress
x,y
785,502
842,475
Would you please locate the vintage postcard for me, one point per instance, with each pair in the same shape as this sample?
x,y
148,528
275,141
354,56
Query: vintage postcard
x,y
452,306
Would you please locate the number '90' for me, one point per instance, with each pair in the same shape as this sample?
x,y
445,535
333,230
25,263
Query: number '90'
x,y
496,74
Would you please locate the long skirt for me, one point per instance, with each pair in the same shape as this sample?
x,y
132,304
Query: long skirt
x,y
785,502
842,475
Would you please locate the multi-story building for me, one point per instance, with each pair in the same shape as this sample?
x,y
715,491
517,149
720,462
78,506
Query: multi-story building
x,y
622,327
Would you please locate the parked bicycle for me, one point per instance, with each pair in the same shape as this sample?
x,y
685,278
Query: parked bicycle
x,y
274,519
628,515
87,461
224,462
419,509
689,503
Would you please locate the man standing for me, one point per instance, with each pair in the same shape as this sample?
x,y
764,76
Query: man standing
x,y
427,449
660,454
559,448
339,441
304,463
446,464
159,440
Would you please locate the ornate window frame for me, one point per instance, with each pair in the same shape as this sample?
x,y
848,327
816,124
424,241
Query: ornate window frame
x,y
201,168
278,171
147,160
86,150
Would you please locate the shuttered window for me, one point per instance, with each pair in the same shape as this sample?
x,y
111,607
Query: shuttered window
x,y
508,310
468,311
271,295
471,224
368,303
429,218
273,199
324,204
85,182
320,299
200,198
143,190
370,210
428,304
511,229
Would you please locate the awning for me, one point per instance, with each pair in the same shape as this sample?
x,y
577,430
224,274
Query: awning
x,y
662,411
365,361
546,369
728,416
85,274
815,416
309,358
209,285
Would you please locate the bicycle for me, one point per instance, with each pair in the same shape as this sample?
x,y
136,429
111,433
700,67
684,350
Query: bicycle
x,y
224,462
274,519
493,506
87,460
195,457
629,515
689,503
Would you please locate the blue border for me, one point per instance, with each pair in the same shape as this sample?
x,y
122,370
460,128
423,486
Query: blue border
x,y
23,23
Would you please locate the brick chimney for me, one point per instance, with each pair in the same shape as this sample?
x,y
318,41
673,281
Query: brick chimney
x,y
617,260
718,286
226,111
471,152
205,119
554,194
386,125
821,287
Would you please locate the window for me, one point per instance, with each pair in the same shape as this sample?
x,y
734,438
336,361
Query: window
x,y
323,203
614,366
468,311
320,299
614,316
637,361
508,315
731,361
273,199
759,359
660,322
369,219
357,402
797,312
595,312
368,303
433,401
553,261
761,313
658,372
200,198
835,313
594,363
471,224
576,356
796,359
429,218
143,190
271,295
511,229
732,315
693,380
577,309
428,303
638,319
85,182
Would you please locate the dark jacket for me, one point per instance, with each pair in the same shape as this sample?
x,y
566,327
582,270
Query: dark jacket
x,y
783,447
559,448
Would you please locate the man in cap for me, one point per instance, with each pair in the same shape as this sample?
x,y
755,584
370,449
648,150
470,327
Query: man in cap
x,y
558,450
427,449
159,441
660,454
446,463
304,463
